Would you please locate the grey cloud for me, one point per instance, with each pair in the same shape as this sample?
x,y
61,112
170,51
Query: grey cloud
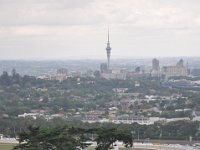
x,y
44,12
78,12
77,27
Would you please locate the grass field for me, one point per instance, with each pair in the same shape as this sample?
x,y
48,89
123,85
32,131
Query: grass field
x,y
6,146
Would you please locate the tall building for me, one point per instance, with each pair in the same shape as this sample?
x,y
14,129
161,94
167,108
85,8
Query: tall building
x,y
108,50
137,70
155,72
180,63
104,68
155,65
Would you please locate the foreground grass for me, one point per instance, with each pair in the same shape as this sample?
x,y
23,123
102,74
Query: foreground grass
x,y
6,146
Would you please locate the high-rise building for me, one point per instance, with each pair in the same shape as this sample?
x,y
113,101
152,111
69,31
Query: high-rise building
x,y
104,68
155,65
155,72
180,63
137,70
108,50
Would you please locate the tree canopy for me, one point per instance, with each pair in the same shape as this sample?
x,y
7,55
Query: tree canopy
x,y
65,138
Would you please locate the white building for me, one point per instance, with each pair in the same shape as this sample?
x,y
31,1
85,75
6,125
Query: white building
x,y
178,70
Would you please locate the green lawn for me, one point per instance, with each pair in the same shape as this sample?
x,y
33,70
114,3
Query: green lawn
x,y
6,146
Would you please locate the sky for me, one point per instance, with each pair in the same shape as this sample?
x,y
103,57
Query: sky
x,y
77,29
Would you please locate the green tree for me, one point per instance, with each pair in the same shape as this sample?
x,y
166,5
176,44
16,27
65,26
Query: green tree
x,y
5,79
60,138
107,137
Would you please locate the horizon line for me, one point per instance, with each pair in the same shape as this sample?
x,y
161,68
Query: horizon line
x,y
119,58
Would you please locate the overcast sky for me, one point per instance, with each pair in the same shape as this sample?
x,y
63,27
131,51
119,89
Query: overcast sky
x,y
62,29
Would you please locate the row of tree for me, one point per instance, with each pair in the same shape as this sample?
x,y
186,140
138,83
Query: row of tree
x,y
62,138
180,130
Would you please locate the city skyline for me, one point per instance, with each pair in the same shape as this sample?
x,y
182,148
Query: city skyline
x,y
59,29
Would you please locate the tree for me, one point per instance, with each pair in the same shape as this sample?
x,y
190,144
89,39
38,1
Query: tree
x,y
107,137
5,79
60,138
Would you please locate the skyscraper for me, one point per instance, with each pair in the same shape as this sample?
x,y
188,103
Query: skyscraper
x,y
155,72
180,63
155,65
108,50
104,68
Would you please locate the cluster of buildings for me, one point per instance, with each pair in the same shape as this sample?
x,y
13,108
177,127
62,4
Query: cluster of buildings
x,y
118,112
96,117
169,71
166,71
42,115
109,73
62,74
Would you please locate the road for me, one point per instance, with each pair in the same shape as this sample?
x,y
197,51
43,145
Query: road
x,y
164,147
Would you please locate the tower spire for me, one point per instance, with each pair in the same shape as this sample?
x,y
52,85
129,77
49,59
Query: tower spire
x,y
108,35
108,50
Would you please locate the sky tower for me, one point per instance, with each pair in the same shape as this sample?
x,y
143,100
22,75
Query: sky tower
x,y
108,50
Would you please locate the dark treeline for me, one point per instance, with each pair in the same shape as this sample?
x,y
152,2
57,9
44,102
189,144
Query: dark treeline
x,y
180,130
70,138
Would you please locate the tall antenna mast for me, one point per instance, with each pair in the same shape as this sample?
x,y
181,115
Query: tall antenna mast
x,y
108,50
